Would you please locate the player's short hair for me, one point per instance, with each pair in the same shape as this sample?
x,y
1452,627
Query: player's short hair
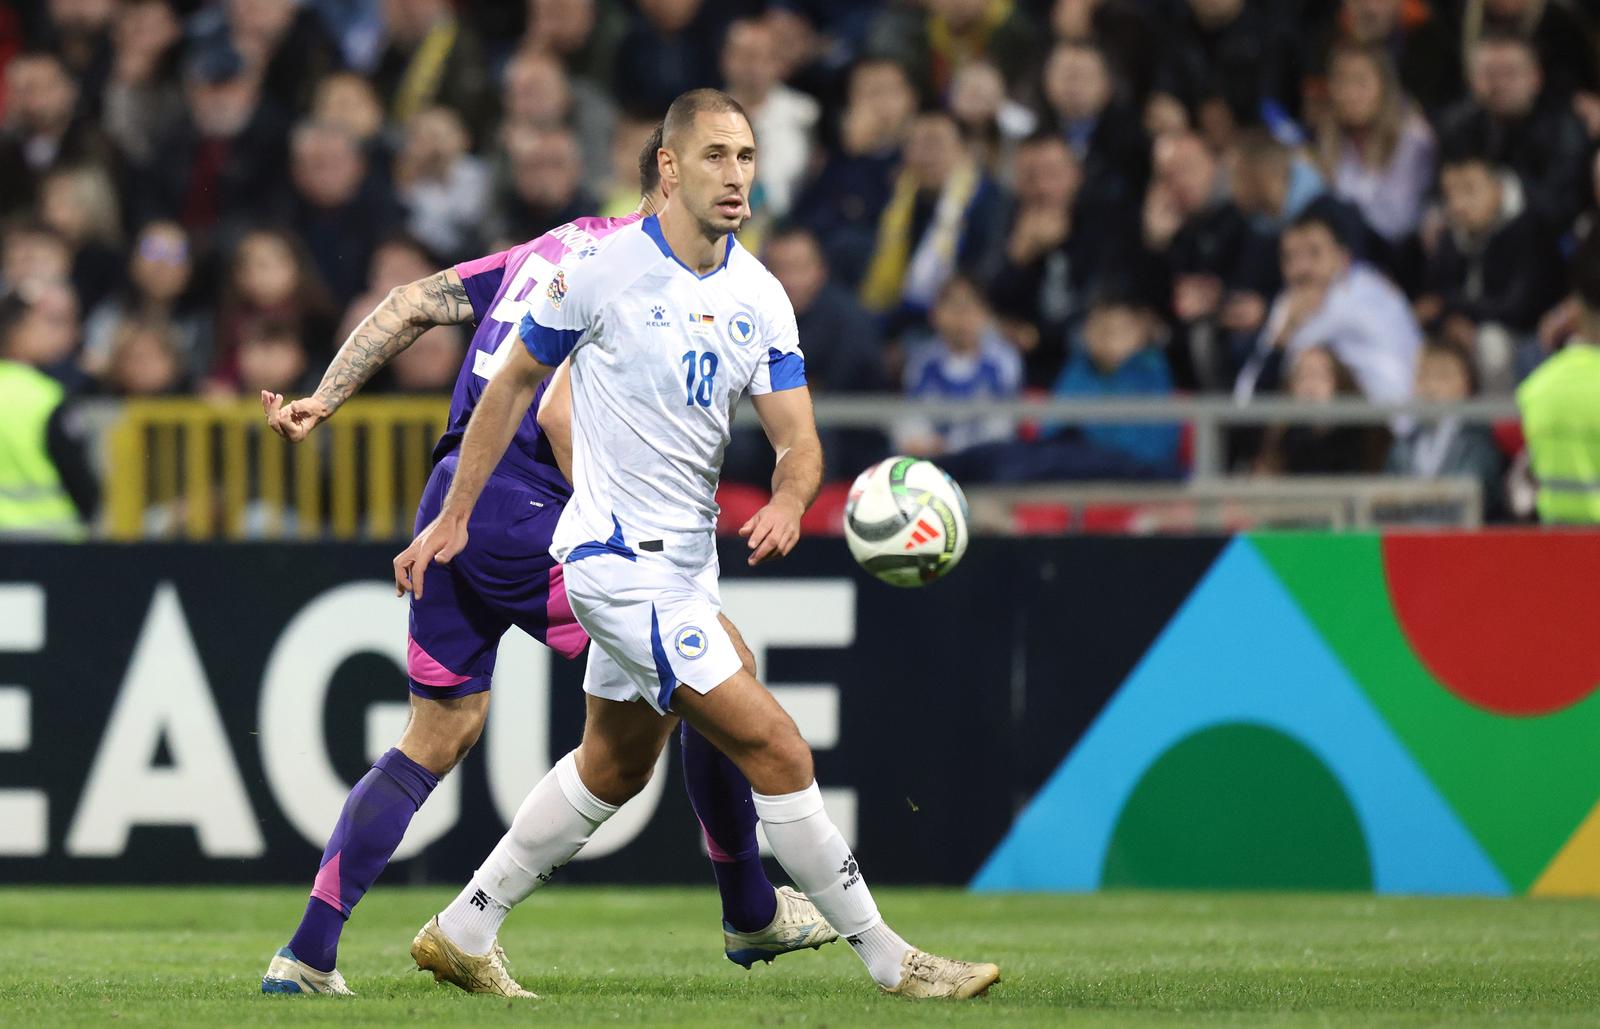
x,y
680,116
649,166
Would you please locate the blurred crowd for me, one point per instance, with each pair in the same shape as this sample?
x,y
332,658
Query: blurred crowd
x,y
963,198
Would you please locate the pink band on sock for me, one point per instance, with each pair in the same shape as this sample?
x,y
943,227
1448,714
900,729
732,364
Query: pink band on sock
x,y
713,851
326,886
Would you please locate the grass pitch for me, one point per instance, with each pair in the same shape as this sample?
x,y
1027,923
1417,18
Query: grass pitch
x,y
180,957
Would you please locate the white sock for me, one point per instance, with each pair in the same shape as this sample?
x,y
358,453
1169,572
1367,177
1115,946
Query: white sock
x,y
554,822
882,949
810,849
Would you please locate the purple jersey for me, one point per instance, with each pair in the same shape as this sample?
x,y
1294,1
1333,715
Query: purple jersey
x,y
502,288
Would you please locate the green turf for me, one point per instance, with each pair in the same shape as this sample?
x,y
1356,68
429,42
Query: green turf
x,y
177,957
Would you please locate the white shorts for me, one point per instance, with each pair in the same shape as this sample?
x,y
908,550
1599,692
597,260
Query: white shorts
x,y
652,626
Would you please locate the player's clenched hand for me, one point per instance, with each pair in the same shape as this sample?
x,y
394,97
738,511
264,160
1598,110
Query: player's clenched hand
x,y
442,540
773,531
294,422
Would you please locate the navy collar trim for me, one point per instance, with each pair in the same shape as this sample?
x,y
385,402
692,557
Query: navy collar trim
x,y
652,228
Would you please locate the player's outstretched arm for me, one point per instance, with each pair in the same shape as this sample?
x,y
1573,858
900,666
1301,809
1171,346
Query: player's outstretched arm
x,y
792,429
406,313
500,410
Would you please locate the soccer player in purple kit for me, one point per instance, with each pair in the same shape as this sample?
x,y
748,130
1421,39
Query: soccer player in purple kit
x,y
506,578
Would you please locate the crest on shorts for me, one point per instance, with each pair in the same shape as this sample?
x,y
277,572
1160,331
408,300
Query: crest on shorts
x,y
690,642
557,290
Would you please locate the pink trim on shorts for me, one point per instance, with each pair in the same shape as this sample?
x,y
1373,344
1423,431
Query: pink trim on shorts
x,y
562,634
422,668
326,886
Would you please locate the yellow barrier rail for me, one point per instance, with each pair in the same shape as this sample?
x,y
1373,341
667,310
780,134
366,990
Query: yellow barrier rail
x,y
199,470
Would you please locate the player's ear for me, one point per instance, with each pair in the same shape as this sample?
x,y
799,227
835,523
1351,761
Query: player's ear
x,y
667,165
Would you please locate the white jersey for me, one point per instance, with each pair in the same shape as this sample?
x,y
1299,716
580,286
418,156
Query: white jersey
x,y
660,358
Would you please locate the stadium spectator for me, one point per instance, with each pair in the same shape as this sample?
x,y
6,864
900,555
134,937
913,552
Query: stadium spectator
x,y
33,255
670,48
620,187
1562,38
41,130
225,160
544,183
844,200
993,123
1229,60
536,92
444,188
283,43
338,207
1508,120
160,277
1494,270
142,99
273,356
936,43
964,358
431,364
144,359
346,100
1118,355
943,215
44,332
1317,376
431,57
47,489
582,34
271,279
1374,146
1447,446
1055,252
78,31
81,204
1103,131
1196,260
1331,301
1123,27
783,119
1416,34
843,351
1560,404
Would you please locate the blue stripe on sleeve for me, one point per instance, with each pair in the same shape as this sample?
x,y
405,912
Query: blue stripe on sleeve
x,y
548,346
785,370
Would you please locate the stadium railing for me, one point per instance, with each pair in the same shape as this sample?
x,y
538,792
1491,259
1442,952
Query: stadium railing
x,y
201,469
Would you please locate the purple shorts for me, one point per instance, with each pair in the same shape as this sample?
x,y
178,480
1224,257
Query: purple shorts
x,y
504,577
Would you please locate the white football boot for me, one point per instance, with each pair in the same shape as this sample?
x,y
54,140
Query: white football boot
x,y
797,925
928,975
288,974
435,952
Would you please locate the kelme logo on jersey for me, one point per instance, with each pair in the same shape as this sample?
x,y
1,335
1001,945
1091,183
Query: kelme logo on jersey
x,y
658,317
741,328
690,642
557,290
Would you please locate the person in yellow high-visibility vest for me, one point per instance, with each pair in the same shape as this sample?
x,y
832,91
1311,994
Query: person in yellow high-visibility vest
x,y
1560,405
46,488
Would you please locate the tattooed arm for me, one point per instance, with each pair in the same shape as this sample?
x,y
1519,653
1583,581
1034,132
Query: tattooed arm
x,y
406,313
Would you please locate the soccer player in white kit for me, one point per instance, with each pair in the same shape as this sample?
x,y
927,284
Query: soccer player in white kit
x,y
667,325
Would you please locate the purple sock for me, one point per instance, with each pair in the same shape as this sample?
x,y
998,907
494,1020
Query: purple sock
x,y
369,829
721,797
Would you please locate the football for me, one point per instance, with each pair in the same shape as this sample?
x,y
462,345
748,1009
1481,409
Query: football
x,y
906,521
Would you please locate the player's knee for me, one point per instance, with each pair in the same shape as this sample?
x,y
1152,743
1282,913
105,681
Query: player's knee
x,y
440,734
779,763
613,775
